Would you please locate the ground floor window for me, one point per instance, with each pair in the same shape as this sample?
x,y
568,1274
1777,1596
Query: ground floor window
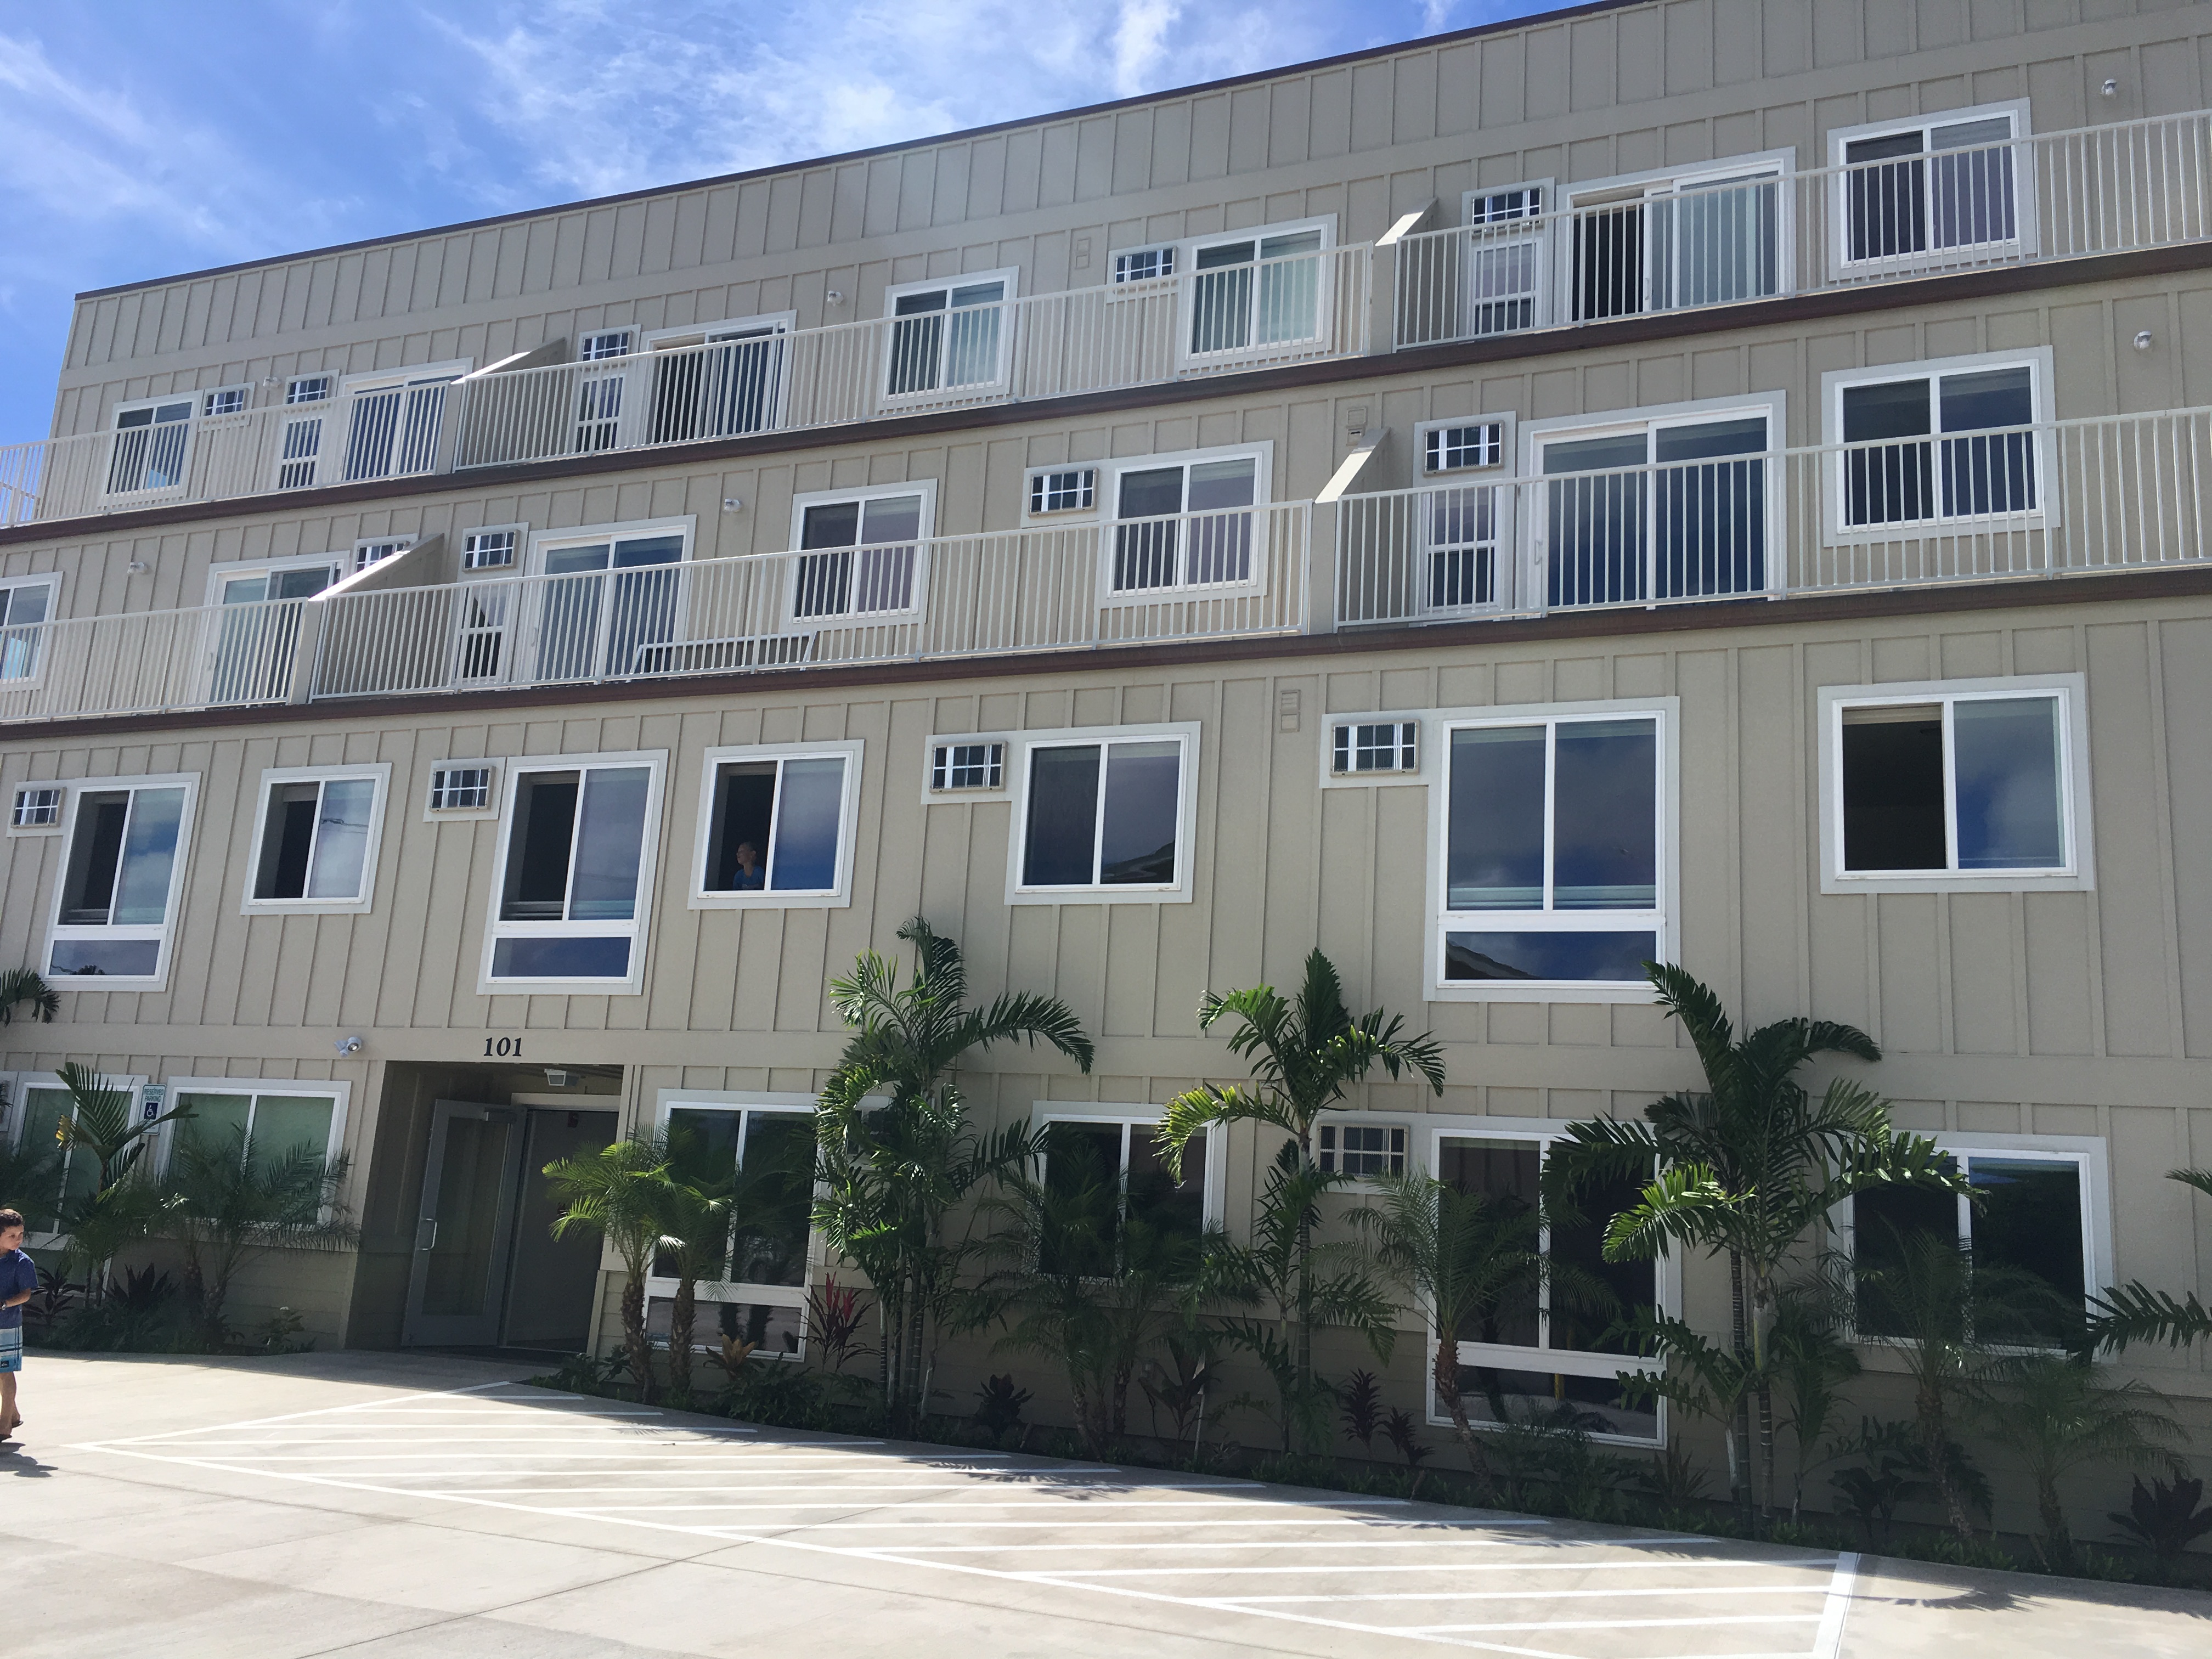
x,y
1110,1181
757,1153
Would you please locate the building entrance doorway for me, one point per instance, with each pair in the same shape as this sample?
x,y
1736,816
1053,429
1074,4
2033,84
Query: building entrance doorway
x,y
487,1270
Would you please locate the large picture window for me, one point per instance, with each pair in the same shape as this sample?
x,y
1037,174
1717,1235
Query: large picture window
x,y
36,1106
1178,522
758,1151
264,1123
1106,816
1934,444
115,913
1957,785
575,872
860,551
1556,850
1658,504
315,842
2030,1226
1932,189
1114,1205
1554,1341
777,825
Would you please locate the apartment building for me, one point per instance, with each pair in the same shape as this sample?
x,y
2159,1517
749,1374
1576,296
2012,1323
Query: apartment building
x,y
1728,480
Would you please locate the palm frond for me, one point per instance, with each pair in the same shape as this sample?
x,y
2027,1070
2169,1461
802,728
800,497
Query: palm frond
x,y
1685,1203
2133,1312
19,986
1029,1016
2200,1179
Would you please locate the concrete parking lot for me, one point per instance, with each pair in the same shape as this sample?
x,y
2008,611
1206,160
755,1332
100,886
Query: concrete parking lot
x,y
392,1506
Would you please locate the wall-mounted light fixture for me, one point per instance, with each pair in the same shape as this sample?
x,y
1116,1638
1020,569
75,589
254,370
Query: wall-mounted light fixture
x,y
555,1079
348,1046
137,567
730,503
834,297
2144,341
2112,88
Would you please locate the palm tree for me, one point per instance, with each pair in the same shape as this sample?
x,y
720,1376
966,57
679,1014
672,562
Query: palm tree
x,y
2136,1313
19,986
1746,1167
1811,1362
692,1217
2057,1414
617,1192
1467,1255
1298,1284
1305,1054
896,1156
107,1211
231,1203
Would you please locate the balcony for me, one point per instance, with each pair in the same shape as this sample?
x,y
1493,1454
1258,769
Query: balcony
x,y
968,352
2068,499
1957,202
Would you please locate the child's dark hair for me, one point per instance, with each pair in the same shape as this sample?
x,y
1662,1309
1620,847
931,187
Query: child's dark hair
x,y
10,1219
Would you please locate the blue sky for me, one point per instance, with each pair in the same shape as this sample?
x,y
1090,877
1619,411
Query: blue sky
x,y
140,140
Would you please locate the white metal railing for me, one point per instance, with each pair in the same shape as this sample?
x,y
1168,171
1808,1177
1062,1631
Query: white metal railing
x,y
385,432
2116,493
1223,321
1762,231
156,661
1237,571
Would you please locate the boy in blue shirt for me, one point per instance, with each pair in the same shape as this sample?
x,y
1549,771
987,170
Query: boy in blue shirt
x,y
19,1277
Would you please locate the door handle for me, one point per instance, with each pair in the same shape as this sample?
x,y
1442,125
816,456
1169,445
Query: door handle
x,y
426,1233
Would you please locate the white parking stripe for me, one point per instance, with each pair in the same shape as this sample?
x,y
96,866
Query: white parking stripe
x,y
479,1470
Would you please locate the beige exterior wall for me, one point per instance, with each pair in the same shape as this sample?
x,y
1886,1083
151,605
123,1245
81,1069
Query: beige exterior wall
x,y
1570,99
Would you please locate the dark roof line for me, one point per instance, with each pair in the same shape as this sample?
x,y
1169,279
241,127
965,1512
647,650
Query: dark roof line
x,y
963,134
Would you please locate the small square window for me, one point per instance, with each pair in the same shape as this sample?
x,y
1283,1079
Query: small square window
x,y
1456,448
1389,746
227,401
607,342
1145,265
307,389
368,553
1362,1149
38,808
488,550
1500,206
1072,490
968,766
460,789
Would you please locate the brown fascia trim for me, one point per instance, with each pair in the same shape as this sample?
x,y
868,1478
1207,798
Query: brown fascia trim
x,y
964,134
1497,348
2175,582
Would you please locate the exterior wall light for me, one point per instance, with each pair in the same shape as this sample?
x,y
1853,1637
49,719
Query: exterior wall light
x,y
2143,341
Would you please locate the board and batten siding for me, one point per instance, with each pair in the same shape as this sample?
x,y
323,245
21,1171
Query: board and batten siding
x,y
1590,97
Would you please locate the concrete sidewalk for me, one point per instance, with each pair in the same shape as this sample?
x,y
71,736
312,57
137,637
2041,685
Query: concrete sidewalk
x,y
392,1505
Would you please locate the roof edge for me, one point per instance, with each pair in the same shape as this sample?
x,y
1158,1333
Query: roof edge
x,y
1500,27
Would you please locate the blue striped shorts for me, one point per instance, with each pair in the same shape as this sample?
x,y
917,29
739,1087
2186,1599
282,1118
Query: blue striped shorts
x,y
11,1348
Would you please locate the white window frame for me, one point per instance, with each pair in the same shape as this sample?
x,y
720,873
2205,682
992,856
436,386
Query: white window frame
x,y
516,554
2090,1155
1423,766
15,1122
1338,1122
1052,515
15,803
1535,535
1664,920
351,388
380,772
13,635
1661,184
490,808
2024,243
969,391
591,343
925,528
190,424
1167,249
293,383
1566,1362
2078,874
1132,1117
1497,478
634,428
361,561
639,926
521,629
180,875
203,406
338,563
1187,272
1540,234
339,1093
1262,456
837,897
1022,745
2046,514
1502,467
931,796
666,1104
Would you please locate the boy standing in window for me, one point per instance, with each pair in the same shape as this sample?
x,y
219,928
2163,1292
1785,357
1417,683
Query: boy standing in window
x,y
19,1277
